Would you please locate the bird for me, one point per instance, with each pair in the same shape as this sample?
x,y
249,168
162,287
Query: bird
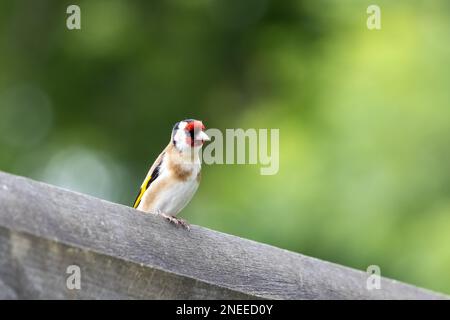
x,y
175,175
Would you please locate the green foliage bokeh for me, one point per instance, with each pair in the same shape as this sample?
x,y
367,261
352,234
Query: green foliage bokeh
x,y
363,116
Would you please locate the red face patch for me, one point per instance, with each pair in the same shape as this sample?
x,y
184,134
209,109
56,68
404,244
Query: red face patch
x,y
195,126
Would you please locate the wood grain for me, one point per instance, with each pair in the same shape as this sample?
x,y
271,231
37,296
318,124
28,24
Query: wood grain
x,y
124,253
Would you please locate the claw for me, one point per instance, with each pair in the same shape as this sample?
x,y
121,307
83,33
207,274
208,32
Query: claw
x,y
184,224
176,221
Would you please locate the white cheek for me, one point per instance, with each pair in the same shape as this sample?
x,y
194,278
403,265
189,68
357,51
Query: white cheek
x,y
179,137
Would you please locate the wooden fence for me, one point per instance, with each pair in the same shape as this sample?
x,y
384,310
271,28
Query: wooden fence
x,y
124,254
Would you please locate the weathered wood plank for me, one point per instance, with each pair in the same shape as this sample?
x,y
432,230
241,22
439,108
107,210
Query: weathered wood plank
x,y
127,254
35,268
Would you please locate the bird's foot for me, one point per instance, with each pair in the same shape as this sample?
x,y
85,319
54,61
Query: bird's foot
x,y
176,221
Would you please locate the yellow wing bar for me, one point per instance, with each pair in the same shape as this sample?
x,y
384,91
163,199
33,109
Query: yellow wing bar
x,y
141,193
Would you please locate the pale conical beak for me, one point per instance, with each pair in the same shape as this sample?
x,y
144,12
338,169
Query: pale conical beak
x,y
202,136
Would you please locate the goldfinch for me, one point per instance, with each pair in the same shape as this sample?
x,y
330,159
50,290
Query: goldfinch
x,y
175,176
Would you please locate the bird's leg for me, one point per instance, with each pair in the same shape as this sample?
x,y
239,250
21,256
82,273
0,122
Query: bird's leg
x,y
176,221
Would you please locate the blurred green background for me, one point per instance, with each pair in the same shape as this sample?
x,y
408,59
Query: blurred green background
x,y
364,116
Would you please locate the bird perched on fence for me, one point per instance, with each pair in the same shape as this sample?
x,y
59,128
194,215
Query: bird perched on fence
x,y
174,177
